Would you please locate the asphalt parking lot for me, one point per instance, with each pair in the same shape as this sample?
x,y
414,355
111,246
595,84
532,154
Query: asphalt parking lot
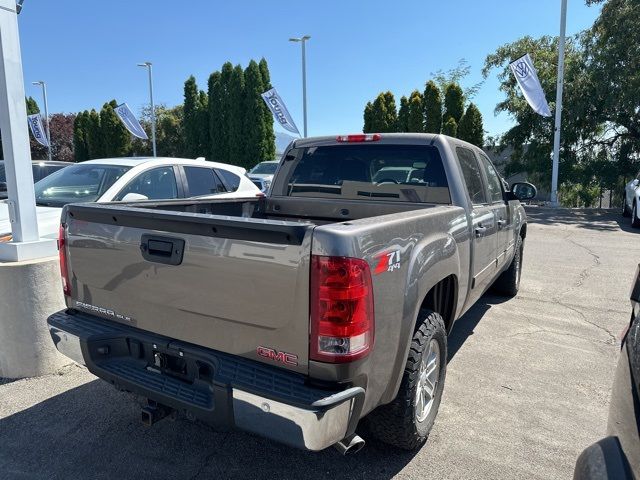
x,y
527,388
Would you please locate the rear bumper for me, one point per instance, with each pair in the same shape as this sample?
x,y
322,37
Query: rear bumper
x,y
218,388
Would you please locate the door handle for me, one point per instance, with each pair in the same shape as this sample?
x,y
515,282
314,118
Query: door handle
x,y
501,223
480,231
165,250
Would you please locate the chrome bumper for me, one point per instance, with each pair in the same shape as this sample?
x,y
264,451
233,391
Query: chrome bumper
x,y
325,423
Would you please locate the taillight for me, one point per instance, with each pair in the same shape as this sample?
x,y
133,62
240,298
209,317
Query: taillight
x,y
62,252
342,318
360,137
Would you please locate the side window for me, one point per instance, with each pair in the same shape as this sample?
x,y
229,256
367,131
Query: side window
x,y
155,184
493,180
202,181
472,175
231,180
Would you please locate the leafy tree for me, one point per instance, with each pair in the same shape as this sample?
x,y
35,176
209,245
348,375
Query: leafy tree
x,y
32,106
80,137
169,136
116,139
219,140
470,128
432,108
456,75
450,127
236,118
269,140
95,140
415,121
368,118
453,103
254,127
62,143
391,112
403,114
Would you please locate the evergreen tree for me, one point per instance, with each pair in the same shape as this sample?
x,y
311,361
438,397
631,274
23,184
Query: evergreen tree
x,y
470,128
269,147
116,139
368,118
80,137
191,118
453,103
202,114
219,142
403,115
432,108
254,126
235,124
32,106
226,108
450,127
391,113
95,142
379,114
415,122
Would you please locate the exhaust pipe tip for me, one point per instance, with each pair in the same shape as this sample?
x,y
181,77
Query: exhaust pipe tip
x,y
350,445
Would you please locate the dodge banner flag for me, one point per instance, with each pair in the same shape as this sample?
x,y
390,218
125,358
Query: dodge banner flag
x,y
130,121
279,110
37,129
527,78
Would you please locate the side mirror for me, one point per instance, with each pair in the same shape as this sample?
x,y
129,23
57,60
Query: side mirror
x,y
134,197
635,182
524,191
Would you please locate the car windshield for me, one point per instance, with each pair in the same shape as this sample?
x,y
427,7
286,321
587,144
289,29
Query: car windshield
x,y
77,183
265,168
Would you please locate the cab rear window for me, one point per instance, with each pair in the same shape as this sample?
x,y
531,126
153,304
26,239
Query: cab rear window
x,y
396,173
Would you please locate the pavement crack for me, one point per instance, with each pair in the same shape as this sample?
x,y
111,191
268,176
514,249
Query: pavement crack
x,y
582,276
612,337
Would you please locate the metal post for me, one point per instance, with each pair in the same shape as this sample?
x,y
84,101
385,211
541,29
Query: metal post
x,y
303,40
46,113
556,134
149,67
15,135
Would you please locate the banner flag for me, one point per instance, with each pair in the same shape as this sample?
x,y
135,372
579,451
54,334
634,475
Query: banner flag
x,y
130,121
527,78
37,129
279,110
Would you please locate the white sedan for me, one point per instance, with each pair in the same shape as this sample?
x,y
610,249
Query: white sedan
x,y
631,203
130,179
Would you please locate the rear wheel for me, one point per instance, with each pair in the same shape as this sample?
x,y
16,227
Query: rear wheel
x,y
406,422
635,221
508,283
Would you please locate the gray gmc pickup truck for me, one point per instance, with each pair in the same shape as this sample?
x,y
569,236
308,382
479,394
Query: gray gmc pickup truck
x,y
298,314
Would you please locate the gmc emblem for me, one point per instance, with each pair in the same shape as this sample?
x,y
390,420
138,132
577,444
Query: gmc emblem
x,y
282,357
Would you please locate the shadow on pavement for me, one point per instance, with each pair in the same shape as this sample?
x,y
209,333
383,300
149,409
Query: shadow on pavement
x,y
591,219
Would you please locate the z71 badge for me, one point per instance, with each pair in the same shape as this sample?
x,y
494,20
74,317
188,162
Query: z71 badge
x,y
388,262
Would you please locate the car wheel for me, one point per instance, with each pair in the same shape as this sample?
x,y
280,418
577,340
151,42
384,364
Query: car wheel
x,y
635,221
406,421
625,209
508,283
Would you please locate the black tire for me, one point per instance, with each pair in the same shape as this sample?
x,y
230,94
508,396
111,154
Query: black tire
x,y
508,283
635,221
397,423
625,210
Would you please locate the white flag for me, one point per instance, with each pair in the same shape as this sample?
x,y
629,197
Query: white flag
x,y
527,78
35,124
130,121
279,110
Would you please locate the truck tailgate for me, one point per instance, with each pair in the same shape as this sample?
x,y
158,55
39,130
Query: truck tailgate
x,y
231,284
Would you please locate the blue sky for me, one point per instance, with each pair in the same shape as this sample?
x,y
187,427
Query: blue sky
x,y
87,51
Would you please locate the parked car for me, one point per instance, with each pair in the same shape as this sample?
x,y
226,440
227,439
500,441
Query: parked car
x,y
262,174
352,288
631,200
41,168
129,179
617,456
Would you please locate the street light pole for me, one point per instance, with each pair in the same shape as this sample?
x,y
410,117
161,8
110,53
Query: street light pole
x,y
303,40
46,112
560,85
149,67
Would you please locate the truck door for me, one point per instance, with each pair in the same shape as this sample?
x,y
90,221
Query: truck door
x,y
505,241
483,224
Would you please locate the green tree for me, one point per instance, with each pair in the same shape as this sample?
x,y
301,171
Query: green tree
x,y
192,118
254,127
368,118
391,112
453,103
116,139
269,147
379,114
432,108
236,118
403,115
80,137
470,128
219,141
450,127
95,141
415,121
32,106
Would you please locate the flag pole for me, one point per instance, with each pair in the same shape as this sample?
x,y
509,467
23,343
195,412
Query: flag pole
x,y
556,133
